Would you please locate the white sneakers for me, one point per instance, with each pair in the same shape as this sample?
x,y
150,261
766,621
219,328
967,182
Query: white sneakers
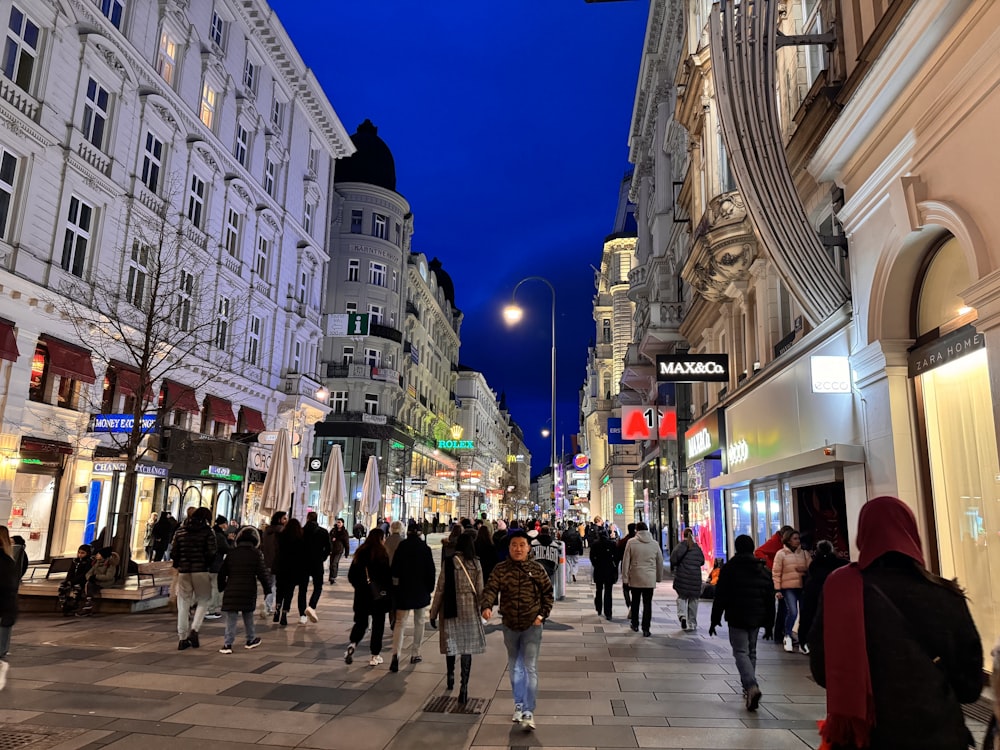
x,y
804,649
303,620
788,644
311,614
518,713
4,666
527,721
375,660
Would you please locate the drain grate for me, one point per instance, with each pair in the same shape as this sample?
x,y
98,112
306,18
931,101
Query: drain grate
x,y
446,704
21,736
981,710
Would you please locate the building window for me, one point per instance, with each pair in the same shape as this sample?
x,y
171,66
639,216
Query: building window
x,y
303,286
296,356
373,357
196,201
269,177
21,50
232,235
152,161
378,226
112,10
250,75
307,217
222,324
606,331
351,307
395,281
8,170
77,237
313,159
138,270
371,403
185,295
398,235
277,113
347,358
376,274
209,100
242,145
253,339
375,313
355,222
338,402
166,58
217,30
353,269
95,113
260,259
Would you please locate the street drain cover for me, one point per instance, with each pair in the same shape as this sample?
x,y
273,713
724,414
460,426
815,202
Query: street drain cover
x,y
446,704
31,737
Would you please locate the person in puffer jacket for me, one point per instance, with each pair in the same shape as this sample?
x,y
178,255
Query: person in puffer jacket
x,y
686,562
193,552
789,571
526,599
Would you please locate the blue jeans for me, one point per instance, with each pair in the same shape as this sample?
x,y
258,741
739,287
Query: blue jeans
x,y
791,597
744,643
232,619
4,640
522,663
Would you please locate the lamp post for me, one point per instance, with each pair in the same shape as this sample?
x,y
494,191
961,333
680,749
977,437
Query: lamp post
x,y
512,313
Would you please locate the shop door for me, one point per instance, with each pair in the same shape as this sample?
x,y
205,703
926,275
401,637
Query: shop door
x,y
767,511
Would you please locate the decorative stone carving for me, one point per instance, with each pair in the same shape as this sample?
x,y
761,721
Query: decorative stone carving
x,y
723,249
165,114
112,59
208,158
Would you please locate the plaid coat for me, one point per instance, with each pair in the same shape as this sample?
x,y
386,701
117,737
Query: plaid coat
x,y
463,634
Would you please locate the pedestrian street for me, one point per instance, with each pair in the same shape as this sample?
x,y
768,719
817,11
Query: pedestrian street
x,y
118,681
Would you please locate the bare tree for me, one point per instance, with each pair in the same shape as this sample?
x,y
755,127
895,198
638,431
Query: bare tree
x,y
154,315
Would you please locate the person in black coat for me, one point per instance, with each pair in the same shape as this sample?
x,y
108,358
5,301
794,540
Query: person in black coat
x,y
413,579
372,581
292,570
604,564
222,547
574,548
72,587
686,562
485,551
163,531
340,546
317,542
745,595
237,580
10,581
823,564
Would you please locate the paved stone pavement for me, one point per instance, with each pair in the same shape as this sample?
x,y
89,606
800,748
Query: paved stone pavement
x,y
117,681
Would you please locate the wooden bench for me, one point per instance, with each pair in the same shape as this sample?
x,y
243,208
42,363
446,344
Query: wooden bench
x,y
146,586
158,573
57,566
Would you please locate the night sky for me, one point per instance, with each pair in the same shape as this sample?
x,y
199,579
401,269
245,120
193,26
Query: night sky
x,y
509,126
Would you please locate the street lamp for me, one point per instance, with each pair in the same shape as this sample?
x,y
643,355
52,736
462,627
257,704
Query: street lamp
x,y
512,314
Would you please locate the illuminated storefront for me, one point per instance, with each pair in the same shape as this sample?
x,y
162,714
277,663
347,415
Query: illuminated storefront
x,y
706,511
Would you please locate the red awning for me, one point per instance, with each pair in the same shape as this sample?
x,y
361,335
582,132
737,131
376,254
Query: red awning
x,y
177,397
220,410
8,341
69,361
127,380
40,445
253,420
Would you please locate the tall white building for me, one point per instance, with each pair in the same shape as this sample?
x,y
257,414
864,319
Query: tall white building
x,y
116,114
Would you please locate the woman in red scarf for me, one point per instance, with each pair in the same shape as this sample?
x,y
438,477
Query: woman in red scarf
x,y
894,645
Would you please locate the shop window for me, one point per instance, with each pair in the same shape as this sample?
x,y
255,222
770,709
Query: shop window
x,y
55,385
39,386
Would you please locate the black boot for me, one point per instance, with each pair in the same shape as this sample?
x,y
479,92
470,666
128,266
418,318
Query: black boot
x,y
450,662
463,690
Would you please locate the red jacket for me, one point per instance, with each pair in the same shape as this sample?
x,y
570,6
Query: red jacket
x,y
769,549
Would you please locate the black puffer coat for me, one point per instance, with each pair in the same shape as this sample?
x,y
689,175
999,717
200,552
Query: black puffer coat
x,y
685,563
917,701
574,543
194,547
745,594
413,574
222,548
364,568
292,563
819,569
238,576
604,560
10,580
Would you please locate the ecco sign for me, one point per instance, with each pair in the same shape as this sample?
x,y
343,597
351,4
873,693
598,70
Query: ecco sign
x,y
692,368
830,374
738,452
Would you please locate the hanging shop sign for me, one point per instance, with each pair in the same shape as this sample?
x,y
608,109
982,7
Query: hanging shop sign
x,y
117,423
615,431
946,349
221,473
374,418
619,509
737,453
259,459
145,469
649,423
692,368
452,445
315,463
703,438
830,374
580,461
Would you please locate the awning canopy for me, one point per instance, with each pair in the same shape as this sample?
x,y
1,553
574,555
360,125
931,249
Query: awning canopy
x,y
40,445
177,397
828,457
253,420
68,360
127,380
8,341
220,410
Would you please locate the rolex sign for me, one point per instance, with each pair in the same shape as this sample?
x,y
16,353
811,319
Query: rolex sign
x,y
692,368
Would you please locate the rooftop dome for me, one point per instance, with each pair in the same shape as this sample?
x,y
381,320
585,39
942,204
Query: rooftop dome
x,y
444,280
372,163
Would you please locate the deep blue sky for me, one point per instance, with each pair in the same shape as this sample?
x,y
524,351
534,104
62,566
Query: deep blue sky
x,y
509,123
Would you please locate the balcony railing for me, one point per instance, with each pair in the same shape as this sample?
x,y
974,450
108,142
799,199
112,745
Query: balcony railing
x,y
19,99
411,309
353,370
385,332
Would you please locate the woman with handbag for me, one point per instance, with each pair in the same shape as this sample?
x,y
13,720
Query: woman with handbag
x,y
456,598
369,575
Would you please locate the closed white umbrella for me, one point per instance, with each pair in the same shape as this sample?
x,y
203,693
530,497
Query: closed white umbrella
x,y
371,491
333,490
280,481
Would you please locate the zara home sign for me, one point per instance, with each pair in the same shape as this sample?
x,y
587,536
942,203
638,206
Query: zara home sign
x,y
692,368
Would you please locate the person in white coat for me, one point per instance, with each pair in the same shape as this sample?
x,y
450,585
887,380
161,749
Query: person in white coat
x,y
642,569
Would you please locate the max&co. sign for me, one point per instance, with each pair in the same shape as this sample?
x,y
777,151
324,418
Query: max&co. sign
x,y
692,368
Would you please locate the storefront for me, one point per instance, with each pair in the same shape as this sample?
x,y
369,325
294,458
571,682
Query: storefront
x,y
706,509
802,464
40,466
960,470
97,513
204,472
